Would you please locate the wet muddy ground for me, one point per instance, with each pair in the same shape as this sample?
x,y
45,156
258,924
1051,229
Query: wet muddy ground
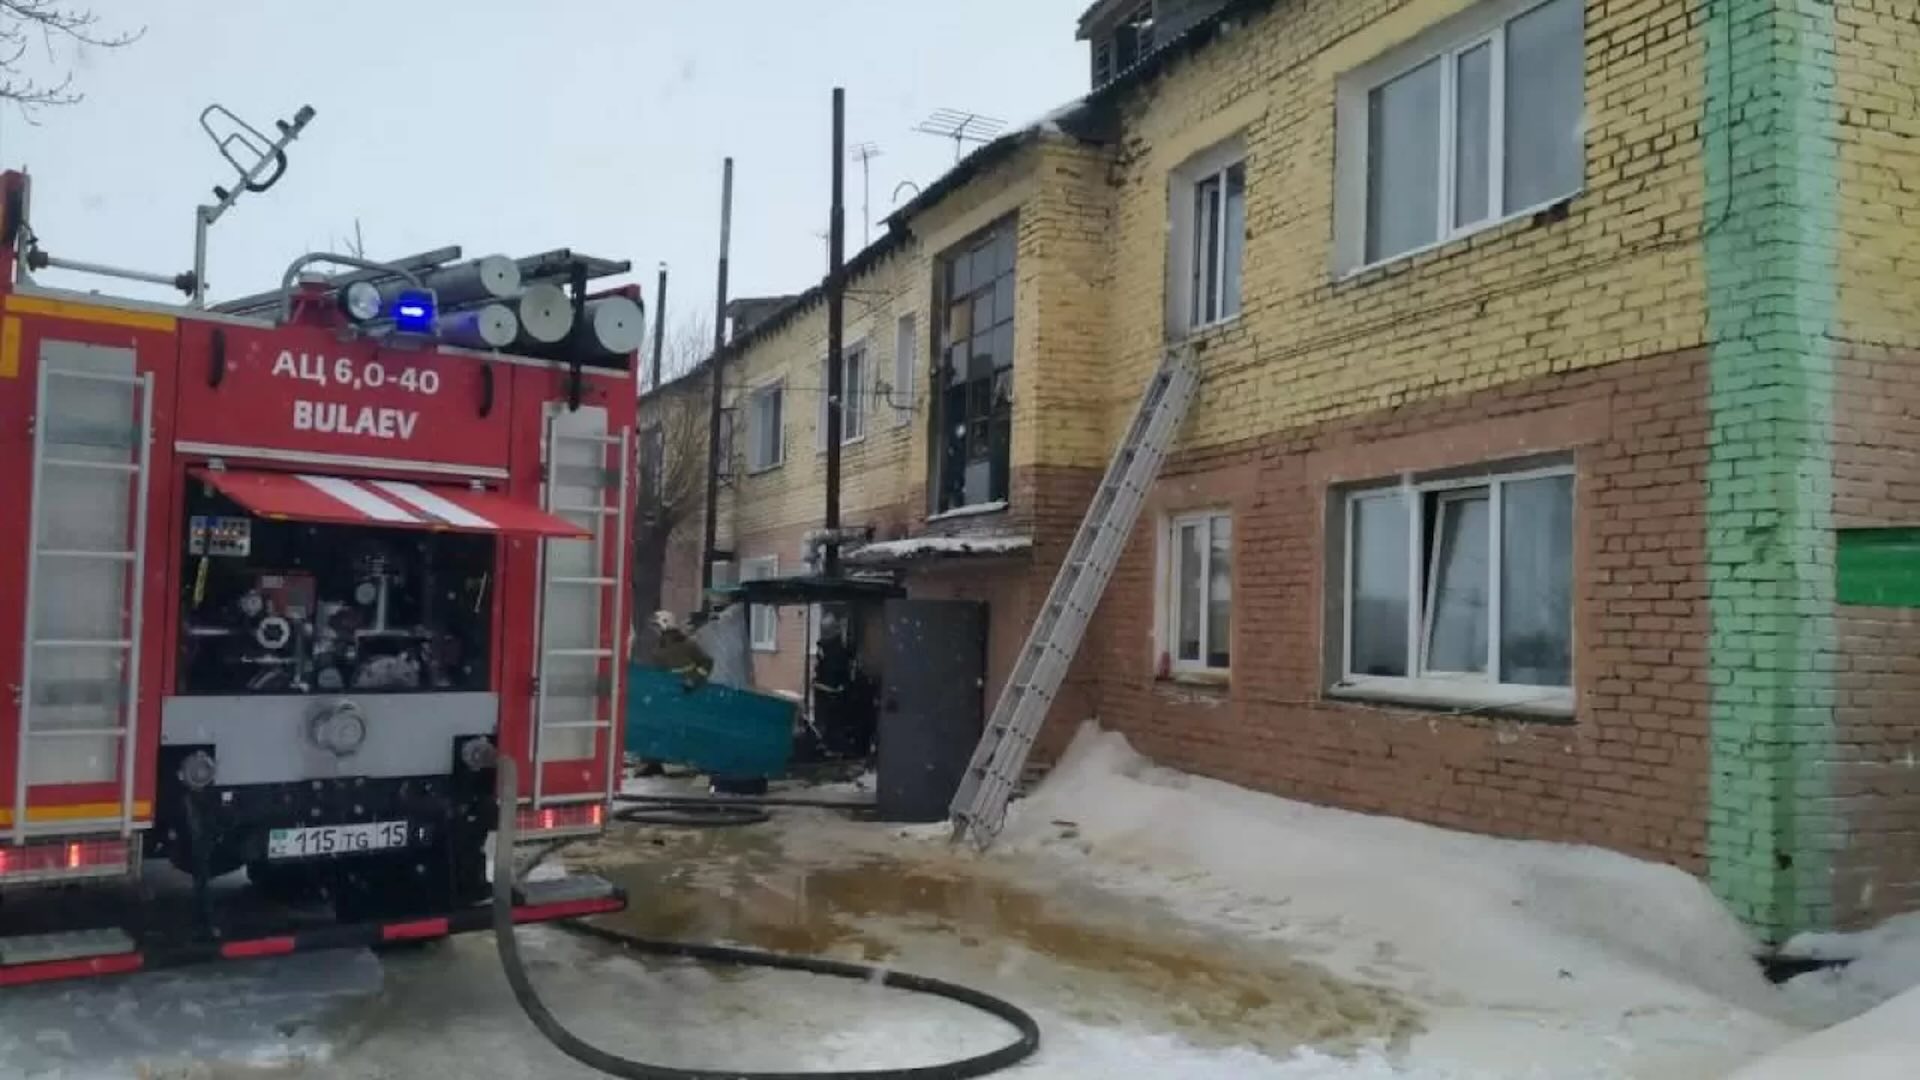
x,y
1108,978
1094,957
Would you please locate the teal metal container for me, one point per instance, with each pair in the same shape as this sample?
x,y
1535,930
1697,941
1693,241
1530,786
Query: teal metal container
x,y
719,730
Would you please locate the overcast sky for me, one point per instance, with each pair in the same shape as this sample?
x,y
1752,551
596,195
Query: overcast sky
x,y
514,126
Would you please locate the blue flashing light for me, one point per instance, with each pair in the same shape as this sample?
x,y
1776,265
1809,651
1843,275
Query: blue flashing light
x,y
413,312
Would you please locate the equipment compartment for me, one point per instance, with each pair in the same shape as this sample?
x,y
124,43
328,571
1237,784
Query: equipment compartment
x,y
303,608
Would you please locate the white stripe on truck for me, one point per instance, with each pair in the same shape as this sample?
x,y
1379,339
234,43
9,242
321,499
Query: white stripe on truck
x,y
373,506
444,509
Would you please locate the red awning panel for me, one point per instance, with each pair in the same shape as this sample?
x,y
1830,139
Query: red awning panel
x,y
394,504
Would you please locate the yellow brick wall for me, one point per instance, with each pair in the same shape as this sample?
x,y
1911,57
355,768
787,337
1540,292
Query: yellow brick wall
x,y
1877,92
876,470
1058,188
1061,355
1620,277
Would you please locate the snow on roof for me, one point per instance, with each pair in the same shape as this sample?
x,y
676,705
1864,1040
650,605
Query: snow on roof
x,y
933,547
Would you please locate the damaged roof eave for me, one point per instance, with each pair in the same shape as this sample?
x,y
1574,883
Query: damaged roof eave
x,y
924,550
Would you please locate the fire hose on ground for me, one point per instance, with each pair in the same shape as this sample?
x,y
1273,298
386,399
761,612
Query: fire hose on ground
x,y
614,1065
709,812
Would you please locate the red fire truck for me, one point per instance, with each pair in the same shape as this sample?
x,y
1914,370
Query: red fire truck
x,y
281,579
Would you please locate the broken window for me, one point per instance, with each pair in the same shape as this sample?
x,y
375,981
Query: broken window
x,y
976,286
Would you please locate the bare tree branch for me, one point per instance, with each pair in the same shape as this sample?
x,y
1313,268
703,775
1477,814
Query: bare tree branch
x,y
673,459
22,22
687,345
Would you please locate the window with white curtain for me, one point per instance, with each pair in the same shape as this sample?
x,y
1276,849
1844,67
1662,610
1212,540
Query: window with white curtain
x,y
1208,248
766,433
763,620
1462,587
853,397
1197,593
1478,121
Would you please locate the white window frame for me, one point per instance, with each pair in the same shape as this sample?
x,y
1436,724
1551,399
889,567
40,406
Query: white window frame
x,y
1446,687
853,398
1168,598
754,399
906,357
1483,24
1182,185
760,569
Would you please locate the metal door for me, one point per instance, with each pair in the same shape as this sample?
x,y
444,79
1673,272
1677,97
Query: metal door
x,y
930,711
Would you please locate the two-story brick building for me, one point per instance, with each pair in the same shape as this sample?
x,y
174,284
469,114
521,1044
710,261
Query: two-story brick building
x,y
1554,354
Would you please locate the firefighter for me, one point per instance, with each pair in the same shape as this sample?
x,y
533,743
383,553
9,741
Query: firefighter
x,y
677,652
842,692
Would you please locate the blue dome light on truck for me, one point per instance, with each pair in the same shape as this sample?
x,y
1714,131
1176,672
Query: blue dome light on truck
x,y
413,312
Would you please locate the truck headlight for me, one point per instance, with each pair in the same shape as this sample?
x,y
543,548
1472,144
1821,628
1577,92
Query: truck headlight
x,y
362,301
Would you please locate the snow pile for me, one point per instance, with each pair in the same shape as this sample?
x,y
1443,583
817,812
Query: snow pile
x,y
1880,964
975,510
923,547
1471,926
1882,1045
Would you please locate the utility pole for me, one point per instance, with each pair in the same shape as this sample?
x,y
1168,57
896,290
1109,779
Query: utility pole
x,y
659,323
717,366
836,311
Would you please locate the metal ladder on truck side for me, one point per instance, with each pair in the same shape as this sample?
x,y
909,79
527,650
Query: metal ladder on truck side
x,y
605,517
979,807
123,700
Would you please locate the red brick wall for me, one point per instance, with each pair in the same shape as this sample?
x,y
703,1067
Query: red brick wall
x,y
1876,773
1876,437
1629,772
1046,503
1876,736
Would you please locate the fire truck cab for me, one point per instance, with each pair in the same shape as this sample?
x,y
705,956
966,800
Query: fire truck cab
x,y
282,579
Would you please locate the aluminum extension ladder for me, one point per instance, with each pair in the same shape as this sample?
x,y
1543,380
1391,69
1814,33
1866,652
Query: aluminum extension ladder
x,y
48,469
606,520
980,805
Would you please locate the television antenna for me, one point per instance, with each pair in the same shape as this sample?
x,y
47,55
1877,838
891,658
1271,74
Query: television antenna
x,y
962,127
864,153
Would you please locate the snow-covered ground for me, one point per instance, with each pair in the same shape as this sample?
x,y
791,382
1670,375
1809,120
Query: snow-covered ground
x,y
1155,924
1873,1001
